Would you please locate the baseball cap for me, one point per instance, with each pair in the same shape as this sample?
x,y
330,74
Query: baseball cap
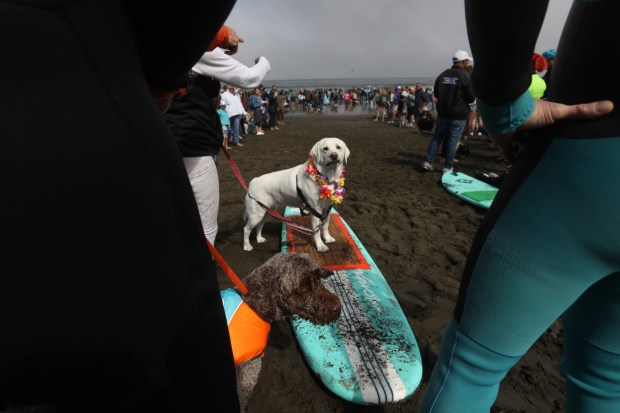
x,y
549,54
461,55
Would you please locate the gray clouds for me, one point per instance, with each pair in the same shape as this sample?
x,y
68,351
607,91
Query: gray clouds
x,y
362,38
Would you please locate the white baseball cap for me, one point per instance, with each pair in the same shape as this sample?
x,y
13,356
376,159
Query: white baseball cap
x,y
461,55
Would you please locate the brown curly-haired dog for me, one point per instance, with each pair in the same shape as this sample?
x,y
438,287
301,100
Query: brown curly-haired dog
x,y
287,284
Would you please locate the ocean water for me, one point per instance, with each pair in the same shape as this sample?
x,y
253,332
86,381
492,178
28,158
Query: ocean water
x,y
349,82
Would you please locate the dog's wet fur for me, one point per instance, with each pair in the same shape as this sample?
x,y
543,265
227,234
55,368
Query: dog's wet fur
x,y
286,285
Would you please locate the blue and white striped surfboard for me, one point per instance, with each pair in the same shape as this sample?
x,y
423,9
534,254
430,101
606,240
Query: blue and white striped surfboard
x,y
369,355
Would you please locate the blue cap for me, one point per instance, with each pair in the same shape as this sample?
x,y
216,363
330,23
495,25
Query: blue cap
x,y
549,54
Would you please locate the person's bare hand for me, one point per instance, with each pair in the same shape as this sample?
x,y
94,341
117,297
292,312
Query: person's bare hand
x,y
472,118
233,42
547,113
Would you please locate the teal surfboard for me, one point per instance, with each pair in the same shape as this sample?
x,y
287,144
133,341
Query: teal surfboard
x,y
469,189
369,355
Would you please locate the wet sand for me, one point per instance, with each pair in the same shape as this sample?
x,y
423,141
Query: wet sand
x,y
416,232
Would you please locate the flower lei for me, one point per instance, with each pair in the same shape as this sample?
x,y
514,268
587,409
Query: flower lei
x,y
326,190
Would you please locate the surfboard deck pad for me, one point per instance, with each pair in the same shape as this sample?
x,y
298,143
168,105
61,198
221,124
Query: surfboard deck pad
x,y
343,254
369,355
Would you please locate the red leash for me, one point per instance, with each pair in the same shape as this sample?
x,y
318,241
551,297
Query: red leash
x,y
226,268
243,289
293,225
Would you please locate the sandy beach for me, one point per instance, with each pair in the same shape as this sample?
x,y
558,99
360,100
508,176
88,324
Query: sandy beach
x,y
416,232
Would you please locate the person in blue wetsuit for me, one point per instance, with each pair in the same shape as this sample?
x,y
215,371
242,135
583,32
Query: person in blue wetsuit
x,y
549,245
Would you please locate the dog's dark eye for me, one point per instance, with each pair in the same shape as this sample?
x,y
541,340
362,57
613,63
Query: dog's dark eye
x,y
338,147
326,148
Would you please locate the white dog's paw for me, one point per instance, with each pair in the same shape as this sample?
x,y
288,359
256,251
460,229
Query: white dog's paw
x,y
247,247
261,240
328,239
322,247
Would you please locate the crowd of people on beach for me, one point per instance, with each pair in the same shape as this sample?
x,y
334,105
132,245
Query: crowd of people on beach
x,y
265,109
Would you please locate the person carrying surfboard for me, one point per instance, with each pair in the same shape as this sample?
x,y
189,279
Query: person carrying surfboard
x,y
549,245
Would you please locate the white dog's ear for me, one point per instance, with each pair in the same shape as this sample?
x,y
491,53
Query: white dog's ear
x,y
347,152
316,151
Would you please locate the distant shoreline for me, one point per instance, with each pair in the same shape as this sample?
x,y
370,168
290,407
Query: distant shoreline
x,y
348,82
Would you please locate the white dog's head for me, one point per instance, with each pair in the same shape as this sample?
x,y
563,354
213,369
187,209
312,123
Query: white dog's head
x,y
330,153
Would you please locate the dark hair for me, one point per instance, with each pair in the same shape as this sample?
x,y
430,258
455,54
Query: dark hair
x,y
210,86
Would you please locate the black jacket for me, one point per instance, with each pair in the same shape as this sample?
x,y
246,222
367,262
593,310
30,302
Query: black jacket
x,y
194,122
454,93
420,100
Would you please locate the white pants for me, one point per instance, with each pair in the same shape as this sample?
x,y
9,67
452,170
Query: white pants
x,y
202,173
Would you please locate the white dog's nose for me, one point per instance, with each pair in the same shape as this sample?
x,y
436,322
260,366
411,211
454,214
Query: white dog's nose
x,y
334,156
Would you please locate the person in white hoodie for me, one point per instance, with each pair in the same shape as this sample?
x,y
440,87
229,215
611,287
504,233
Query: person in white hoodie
x,y
195,125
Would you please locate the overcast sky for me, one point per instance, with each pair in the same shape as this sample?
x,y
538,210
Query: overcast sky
x,y
322,39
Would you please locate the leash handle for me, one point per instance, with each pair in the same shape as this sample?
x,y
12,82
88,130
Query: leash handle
x,y
271,212
226,268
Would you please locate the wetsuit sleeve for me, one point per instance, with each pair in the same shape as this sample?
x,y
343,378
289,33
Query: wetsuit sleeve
x,y
172,36
502,36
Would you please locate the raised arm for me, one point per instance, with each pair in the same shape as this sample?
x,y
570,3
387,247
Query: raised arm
x,y
219,65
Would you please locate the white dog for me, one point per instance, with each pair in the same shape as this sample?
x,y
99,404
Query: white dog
x,y
316,184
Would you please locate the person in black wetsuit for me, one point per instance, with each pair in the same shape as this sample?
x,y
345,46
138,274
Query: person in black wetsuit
x,y
549,245
109,300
